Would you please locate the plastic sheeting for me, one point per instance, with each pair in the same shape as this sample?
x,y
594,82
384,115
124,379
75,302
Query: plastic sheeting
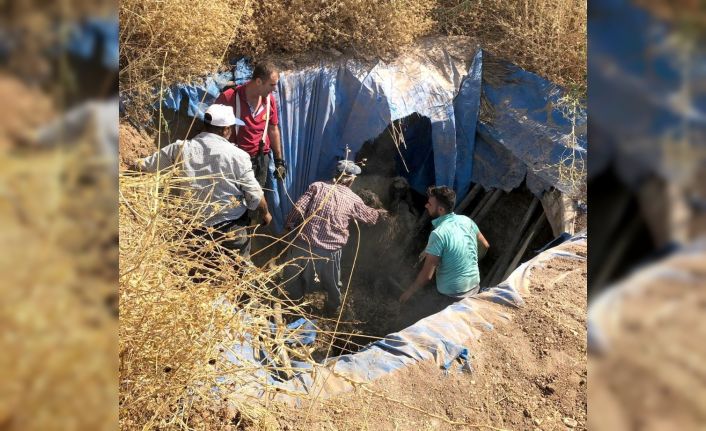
x,y
527,129
93,36
646,84
606,316
328,113
85,39
441,338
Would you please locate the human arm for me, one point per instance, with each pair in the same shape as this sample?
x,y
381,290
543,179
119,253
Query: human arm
x,y
275,141
275,138
482,244
425,276
264,212
161,159
276,146
482,240
366,214
299,212
254,196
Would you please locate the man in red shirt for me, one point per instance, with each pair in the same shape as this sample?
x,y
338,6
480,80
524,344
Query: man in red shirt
x,y
254,104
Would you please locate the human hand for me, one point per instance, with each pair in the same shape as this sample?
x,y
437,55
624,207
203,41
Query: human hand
x,y
136,165
280,169
266,219
406,295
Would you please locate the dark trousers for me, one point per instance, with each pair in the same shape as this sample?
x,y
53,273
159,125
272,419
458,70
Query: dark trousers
x,y
238,244
261,168
311,268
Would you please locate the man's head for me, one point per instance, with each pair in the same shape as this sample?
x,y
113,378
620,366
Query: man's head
x,y
264,79
346,172
440,201
220,119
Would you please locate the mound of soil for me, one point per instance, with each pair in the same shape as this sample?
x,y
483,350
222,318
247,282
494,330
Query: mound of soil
x,y
29,110
652,374
529,373
134,144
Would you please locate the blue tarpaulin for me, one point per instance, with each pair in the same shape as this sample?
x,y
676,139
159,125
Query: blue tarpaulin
x,y
640,71
85,39
442,337
327,113
95,35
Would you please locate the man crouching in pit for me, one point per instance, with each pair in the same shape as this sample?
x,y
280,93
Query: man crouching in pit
x,y
325,210
452,250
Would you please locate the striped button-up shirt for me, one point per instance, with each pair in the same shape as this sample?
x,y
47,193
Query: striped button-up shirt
x,y
219,172
327,209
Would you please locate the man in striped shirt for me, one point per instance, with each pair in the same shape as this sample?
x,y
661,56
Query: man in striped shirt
x,y
321,217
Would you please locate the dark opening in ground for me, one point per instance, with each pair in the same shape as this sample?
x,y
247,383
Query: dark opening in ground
x,y
385,261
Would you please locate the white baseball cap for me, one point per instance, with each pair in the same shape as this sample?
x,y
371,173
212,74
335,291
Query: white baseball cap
x,y
221,116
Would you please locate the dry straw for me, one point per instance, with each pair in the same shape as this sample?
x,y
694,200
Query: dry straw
x,y
547,37
59,333
181,311
544,36
174,329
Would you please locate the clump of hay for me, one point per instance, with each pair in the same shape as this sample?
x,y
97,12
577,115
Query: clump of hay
x,y
189,39
58,224
176,327
182,38
547,37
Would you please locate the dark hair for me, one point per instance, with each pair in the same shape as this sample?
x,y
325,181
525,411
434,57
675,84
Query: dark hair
x,y
218,130
263,71
444,195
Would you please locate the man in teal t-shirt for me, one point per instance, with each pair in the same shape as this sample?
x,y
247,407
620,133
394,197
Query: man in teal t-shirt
x,y
452,250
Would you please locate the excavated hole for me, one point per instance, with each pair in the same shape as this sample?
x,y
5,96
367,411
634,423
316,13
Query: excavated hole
x,y
386,260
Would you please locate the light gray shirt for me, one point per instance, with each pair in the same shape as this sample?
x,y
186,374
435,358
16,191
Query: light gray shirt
x,y
220,172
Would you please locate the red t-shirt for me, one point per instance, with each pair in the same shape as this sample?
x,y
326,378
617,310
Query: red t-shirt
x,y
248,137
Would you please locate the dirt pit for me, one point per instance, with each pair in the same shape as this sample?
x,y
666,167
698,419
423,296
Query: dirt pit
x,y
529,373
383,260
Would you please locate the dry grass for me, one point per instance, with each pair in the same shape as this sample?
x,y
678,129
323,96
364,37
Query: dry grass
x,y
36,27
59,338
194,38
172,330
185,38
175,328
547,37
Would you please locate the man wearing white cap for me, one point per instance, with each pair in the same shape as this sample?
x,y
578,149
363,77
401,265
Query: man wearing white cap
x,y
321,217
221,174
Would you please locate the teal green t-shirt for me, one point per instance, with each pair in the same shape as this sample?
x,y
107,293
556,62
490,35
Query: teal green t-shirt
x,y
455,241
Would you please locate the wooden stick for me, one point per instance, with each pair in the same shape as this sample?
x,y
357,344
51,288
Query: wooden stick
x,y
617,252
528,238
467,200
482,203
516,237
279,339
488,206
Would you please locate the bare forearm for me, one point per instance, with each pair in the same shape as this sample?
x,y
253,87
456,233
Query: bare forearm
x,y
421,281
424,277
262,207
275,141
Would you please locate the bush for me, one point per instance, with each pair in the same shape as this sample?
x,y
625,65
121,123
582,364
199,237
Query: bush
x,y
547,37
194,38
